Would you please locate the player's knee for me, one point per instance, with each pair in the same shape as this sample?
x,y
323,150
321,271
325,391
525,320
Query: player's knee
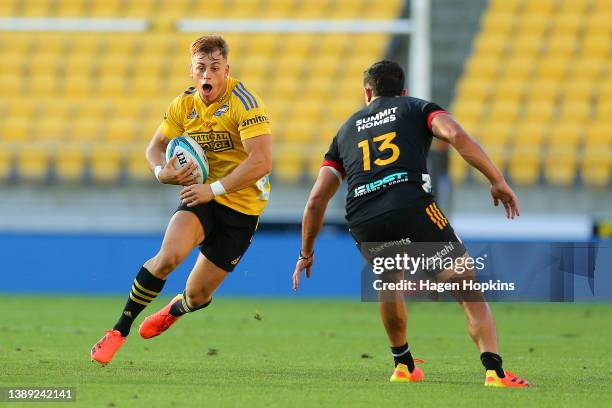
x,y
196,298
164,263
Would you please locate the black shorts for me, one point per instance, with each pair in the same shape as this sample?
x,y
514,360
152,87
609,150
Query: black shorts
x,y
421,229
227,233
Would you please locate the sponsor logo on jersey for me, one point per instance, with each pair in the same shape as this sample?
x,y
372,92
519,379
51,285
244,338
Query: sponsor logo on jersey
x,y
192,115
221,110
214,141
386,116
254,120
379,184
235,261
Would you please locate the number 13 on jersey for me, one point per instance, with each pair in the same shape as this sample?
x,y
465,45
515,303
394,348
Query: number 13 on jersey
x,y
385,145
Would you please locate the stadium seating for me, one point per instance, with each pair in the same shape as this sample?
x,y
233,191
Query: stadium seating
x,y
89,99
537,85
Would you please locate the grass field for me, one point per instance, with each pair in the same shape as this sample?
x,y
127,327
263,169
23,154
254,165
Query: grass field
x,y
251,352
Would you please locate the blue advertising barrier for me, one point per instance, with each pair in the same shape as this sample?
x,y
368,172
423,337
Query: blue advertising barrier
x,y
107,264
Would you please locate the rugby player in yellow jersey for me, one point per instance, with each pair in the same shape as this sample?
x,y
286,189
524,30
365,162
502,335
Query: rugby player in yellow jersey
x,y
230,122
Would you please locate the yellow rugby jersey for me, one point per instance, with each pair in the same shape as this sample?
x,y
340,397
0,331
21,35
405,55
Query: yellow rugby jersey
x,y
220,129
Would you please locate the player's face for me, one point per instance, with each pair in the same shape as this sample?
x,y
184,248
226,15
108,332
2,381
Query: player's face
x,y
210,73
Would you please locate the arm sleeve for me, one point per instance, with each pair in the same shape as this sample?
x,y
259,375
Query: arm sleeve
x,y
333,159
251,114
428,111
172,125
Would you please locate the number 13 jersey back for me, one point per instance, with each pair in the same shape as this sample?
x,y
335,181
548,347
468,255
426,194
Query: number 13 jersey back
x,y
382,151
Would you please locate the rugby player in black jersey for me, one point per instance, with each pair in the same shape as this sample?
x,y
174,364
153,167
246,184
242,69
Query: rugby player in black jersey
x,y
381,150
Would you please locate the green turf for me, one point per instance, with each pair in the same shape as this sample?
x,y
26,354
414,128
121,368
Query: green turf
x,y
303,353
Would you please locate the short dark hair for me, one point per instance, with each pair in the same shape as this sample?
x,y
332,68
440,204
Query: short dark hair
x,y
208,44
386,78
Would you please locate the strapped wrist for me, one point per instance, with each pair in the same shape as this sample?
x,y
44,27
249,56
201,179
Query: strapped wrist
x,y
217,189
157,170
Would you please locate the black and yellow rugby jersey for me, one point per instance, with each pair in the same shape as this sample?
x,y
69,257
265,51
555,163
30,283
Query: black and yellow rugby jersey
x,y
220,129
382,150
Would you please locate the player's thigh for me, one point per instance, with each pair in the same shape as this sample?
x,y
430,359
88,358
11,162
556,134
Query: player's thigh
x,y
204,279
184,232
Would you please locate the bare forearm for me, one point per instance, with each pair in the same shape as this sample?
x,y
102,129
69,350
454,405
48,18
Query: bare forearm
x,y
312,223
471,151
154,155
245,174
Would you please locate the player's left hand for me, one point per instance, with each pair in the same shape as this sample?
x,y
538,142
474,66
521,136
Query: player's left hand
x,y
299,267
196,194
501,191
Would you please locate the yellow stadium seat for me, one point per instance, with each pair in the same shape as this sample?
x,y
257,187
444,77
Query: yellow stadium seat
x,y
587,69
543,7
568,24
525,47
137,165
502,111
530,134
106,8
578,91
105,164
76,86
120,130
51,129
458,168
566,134
536,111
71,8
33,163
578,112
595,46
575,7
552,68
561,46
288,165
533,24
499,23
544,91
84,128
481,68
518,69
596,166
598,133
297,131
467,111
14,129
40,8
6,163
524,165
492,46
69,163
509,90
604,109
560,165
473,90
495,133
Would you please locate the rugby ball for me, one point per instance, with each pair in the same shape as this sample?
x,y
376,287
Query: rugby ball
x,y
188,150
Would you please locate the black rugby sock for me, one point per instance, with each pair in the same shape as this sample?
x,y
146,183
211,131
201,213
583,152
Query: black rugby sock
x,y
145,288
180,307
492,361
401,354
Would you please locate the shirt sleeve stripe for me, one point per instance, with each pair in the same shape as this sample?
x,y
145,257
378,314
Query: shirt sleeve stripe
x,y
432,115
241,99
334,165
241,85
245,96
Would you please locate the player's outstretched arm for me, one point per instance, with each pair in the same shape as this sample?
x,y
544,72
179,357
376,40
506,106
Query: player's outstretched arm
x,y
446,128
168,175
257,164
323,190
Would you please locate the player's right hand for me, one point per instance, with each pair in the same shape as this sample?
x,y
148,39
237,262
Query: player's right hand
x,y
185,176
501,191
299,267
